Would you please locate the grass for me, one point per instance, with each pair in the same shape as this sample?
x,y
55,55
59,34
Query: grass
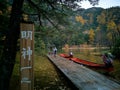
x,y
46,76
116,72
15,79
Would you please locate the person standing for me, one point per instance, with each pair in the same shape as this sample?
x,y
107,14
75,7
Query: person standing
x,y
107,60
71,54
54,51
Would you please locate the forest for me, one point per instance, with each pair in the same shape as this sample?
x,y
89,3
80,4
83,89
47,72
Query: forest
x,y
93,26
57,22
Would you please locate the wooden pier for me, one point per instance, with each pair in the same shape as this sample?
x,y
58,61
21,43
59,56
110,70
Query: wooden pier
x,y
82,77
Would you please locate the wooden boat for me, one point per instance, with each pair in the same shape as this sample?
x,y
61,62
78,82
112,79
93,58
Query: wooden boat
x,y
87,63
65,55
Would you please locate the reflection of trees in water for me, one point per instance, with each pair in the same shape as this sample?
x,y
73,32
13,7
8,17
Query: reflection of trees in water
x,y
87,53
92,55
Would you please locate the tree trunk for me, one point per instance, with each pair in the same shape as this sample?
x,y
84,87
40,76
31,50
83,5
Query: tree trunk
x,y
10,47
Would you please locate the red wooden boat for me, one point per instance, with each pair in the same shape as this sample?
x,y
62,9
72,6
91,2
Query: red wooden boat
x,y
87,63
65,55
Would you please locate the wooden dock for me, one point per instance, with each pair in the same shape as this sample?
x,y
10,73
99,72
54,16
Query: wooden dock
x,y
82,77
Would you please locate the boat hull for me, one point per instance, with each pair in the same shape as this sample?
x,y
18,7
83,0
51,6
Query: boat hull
x,y
87,63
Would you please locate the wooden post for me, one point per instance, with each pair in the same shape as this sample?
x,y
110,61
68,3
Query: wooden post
x,y
27,56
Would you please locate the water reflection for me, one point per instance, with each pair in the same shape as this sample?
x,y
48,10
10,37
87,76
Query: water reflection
x,y
93,55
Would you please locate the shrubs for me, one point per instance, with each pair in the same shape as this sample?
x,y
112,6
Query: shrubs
x,y
116,48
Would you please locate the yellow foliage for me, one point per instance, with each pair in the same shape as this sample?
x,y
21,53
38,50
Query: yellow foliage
x,y
91,35
66,46
109,35
98,28
111,25
80,19
101,18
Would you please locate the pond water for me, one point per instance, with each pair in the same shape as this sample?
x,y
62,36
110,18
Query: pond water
x,y
93,55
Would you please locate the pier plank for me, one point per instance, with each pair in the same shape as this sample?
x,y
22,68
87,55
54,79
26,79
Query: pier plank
x,y
83,78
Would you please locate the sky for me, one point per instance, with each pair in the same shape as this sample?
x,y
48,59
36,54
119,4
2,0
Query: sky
x,y
102,3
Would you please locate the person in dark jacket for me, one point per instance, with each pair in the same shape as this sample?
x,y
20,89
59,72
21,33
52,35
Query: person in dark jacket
x,y
107,60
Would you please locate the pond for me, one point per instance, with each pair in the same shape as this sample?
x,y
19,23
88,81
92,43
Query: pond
x,y
93,55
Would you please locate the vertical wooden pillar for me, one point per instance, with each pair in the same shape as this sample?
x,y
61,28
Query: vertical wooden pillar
x,y
27,56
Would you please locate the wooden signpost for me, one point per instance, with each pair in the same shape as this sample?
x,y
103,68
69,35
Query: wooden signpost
x,y
27,56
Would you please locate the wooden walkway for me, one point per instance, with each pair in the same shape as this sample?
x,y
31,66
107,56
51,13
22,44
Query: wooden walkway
x,y
82,77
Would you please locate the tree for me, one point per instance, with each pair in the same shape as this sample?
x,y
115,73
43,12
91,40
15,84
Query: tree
x,y
101,18
3,23
91,36
111,27
80,19
10,46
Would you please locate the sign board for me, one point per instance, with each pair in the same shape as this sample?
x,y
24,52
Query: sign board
x,y
27,56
